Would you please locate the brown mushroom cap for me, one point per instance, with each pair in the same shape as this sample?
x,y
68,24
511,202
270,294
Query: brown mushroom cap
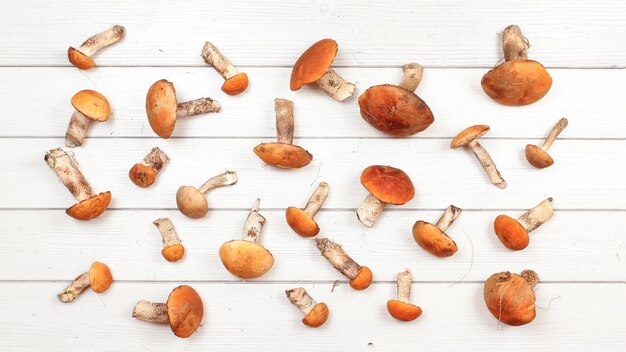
x,y
517,82
433,240
403,311
301,222
468,135
142,175
174,252
317,316
362,280
191,202
161,107
510,232
283,155
90,208
185,311
313,63
388,184
92,104
510,298
236,84
394,110
245,259
100,278
537,157
80,60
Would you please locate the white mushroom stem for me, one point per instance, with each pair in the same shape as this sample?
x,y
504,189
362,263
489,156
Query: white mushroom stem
x,y
80,283
212,56
337,257
253,226
369,210
317,199
555,132
514,44
197,107
102,40
168,232
151,312
77,130
488,164
156,159
226,179
412,77
301,299
531,277
284,120
69,174
335,86
404,286
536,216
448,218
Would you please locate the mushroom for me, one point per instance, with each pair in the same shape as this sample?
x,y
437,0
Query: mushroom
x,y
89,106
283,153
469,137
235,82
81,57
514,233
314,66
315,314
433,238
191,201
401,308
89,206
396,110
517,81
246,258
183,311
144,174
302,220
360,276
163,110
539,157
98,277
386,184
173,250
510,297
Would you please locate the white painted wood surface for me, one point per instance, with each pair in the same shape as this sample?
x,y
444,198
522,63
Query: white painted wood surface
x,y
578,254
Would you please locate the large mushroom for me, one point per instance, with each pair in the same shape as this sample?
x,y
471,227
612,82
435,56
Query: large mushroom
x,y
89,206
401,308
469,137
235,82
302,221
360,276
433,238
191,200
315,314
173,250
98,277
538,156
144,174
510,297
81,57
514,233
89,106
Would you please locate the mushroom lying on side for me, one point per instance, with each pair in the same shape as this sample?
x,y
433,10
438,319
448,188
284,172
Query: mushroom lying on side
x,y
401,308
89,106
81,57
235,82
302,220
145,173
191,201
510,297
98,277
469,137
315,314
539,157
172,250
360,276
433,238
514,233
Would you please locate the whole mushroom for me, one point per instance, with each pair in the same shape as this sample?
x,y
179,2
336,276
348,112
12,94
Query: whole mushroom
x,y
538,156
302,221
81,57
172,250
315,314
469,137
144,174
433,238
235,82
98,277
89,106
360,276
401,308
191,200
510,297
514,233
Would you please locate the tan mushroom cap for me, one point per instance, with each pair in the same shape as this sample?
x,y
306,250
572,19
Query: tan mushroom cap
x,y
362,280
403,311
173,253
313,63
317,316
100,277
510,298
283,155
388,184
301,222
517,82
236,84
468,135
92,104
245,259
537,157
90,208
433,240
161,107
191,202
185,311
80,60
142,175
510,232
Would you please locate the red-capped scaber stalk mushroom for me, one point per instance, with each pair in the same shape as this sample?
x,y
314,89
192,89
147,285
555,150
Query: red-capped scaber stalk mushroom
x,y
302,221
89,106
360,276
191,200
511,297
514,233
469,137
315,314
98,277
401,307
433,238
173,250
144,174
235,82
81,57
538,156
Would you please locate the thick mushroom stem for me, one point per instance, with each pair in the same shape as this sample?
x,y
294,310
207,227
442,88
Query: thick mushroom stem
x,y
301,299
404,286
317,199
488,164
167,230
212,56
531,277
77,130
197,107
156,159
69,174
226,179
555,132
369,210
337,257
412,77
514,44
102,40
253,226
80,283
151,312
536,216
284,120
448,218
335,86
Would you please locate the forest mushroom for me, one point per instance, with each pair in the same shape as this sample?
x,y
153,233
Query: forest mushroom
x,y
433,238
81,57
302,220
172,250
98,277
183,311
401,308
396,110
144,174
314,66
510,297
89,206
514,233
163,109
360,276
469,137
235,82
283,153
89,106
246,258
386,185
315,314
517,81
539,157
191,201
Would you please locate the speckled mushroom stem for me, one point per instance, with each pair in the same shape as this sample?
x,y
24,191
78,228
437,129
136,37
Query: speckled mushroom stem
x,y
317,199
488,164
167,230
77,130
369,210
335,86
301,299
447,219
536,216
555,132
74,289
156,159
337,257
412,77
197,107
404,286
531,277
514,44
226,179
253,226
212,56
69,174
151,312
284,120
102,40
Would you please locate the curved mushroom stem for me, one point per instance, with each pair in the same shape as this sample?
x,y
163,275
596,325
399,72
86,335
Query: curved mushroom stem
x,y
337,257
102,40
151,312
555,132
284,120
317,199
335,86
226,179
447,219
488,164
69,174
167,230
531,277
77,130
536,216
197,107
212,56
253,226
369,210
514,44
301,299
404,286
156,159
80,283
412,77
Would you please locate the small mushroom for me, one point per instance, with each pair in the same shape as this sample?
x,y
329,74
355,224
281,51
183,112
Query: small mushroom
x,y
89,106
396,110
387,185
246,258
283,153
98,277
144,174
469,137
517,81
81,57
235,82
360,276
89,206
514,233
510,297
191,201
433,238
539,157
183,311
172,250
163,109
314,66
315,314
302,220
401,308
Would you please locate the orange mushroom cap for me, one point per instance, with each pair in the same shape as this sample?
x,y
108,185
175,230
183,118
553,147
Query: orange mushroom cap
x,y
403,311
317,316
90,208
161,107
92,104
142,175
468,135
433,240
537,157
283,155
236,84
100,277
510,232
173,253
510,298
313,63
191,202
517,82
80,60
301,222
362,280
185,311
388,184
245,259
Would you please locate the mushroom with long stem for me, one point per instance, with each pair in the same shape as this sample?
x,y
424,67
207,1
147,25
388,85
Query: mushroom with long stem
x,y
191,200
81,57
401,307
514,233
144,174
360,276
469,137
511,297
89,106
538,156
98,277
433,238
235,82
315,314
302,221
172,250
